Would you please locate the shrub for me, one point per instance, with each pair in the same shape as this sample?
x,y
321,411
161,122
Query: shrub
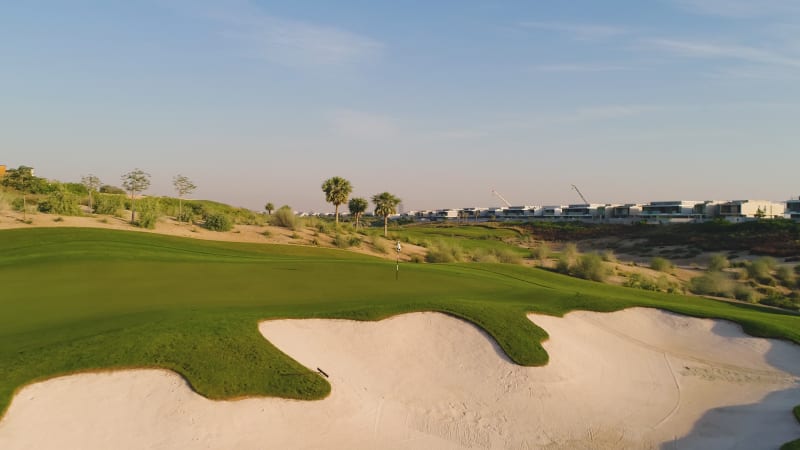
x,y
444,252
780,301
760,269
744,293
507,256
540,252
284,217
380,244
345,241
715,283
570,251
219,222
562,264
17,204
660,264
484,256
608,256
148,211
718,262
108,189
60,201
786,276
417,259
590,267
110,204
266,233
187,215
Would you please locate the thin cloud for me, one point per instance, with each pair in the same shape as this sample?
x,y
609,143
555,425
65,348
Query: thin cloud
x,y
716,51
605,112
361,125
292,42
579,68
579,31
742,9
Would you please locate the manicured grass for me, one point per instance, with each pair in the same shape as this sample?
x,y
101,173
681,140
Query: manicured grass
x,y
85,299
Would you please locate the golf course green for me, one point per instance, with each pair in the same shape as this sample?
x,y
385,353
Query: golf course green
x,y
75,299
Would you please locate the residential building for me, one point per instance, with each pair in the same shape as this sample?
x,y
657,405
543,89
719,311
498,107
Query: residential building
x,y
519,212
739,210
672,210
792,209
584,211
550,211
625,211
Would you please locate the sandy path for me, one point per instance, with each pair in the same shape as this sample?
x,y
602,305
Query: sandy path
x,y
638,378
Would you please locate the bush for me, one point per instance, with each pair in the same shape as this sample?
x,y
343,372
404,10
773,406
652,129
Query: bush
x,y
570,251
562,264
284,217
760,269
109,204
108,189
380,244
218,222
148,211
780,301
608,256
17,204
444,252
715,283
62,202
541,252
590,267
786,276
660,264
718,262
744,293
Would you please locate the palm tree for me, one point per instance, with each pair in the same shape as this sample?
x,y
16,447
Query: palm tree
x,y
336,189
269,207
357,206
385,205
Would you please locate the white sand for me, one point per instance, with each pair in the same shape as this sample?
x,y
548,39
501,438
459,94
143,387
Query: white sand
x,y
638,378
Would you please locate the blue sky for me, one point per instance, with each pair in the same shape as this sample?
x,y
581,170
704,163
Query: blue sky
x,y
436,102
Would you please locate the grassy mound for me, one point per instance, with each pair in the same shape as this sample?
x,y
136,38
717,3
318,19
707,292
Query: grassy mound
x,y
86,299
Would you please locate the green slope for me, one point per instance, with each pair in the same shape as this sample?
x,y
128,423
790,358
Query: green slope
x,y
83,299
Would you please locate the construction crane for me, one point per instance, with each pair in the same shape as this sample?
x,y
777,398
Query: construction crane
x,y
497,194
579,193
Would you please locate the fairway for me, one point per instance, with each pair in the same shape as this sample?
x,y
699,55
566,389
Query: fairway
x,y
87,299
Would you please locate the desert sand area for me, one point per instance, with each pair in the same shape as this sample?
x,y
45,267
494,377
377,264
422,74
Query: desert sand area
x,y
639,378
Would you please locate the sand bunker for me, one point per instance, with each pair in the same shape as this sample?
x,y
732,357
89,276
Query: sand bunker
x,y
638,378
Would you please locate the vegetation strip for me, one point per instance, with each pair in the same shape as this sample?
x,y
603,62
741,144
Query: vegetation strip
x,y
184,305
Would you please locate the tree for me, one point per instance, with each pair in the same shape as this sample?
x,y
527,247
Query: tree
x,y
269,207
357,206
385,205
183,186
135,181
20,179
92,184
336,189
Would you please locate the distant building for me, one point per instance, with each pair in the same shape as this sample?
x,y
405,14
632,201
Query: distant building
x,y
792,209
551,211
626,211
739,210
519,212
672,211
584,211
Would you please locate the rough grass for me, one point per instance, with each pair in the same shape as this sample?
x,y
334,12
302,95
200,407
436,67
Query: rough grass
x,y
88,299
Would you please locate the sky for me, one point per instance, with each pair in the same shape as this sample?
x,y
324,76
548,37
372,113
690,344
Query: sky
x,y
436,102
